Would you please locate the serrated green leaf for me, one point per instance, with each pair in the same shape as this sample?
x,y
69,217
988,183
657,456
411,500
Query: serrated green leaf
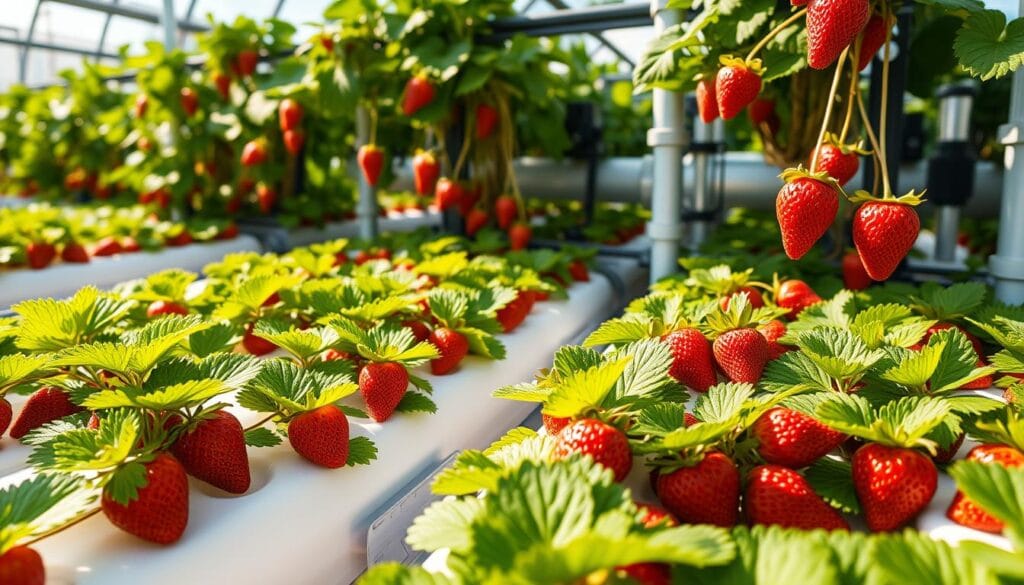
x,y
987,46
262,437
416,402
619,331
723,402
832,479
361,451
572,358
526,392
445,524
584,388
916,368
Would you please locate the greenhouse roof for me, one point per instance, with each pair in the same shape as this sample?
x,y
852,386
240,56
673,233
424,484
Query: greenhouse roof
x,y
40,38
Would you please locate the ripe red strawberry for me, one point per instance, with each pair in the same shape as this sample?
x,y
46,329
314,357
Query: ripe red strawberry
x,y
946,454
506,209
965,512
40,254
752,294
692,361
761,111
254,344
736,86
452,346
805,207
141,105
321,436
223,84
833,25
741,354
158,308
21,565
647,573
476,219
189,101
254,153
107,246
182,238
419,92
705,493
160,513
654,516
578,271
470,196
796,295
45,405
425,170
214,452
855,277
74,252
884,232
289,114
266,196
293,141
6,413
383,384
779,496
872,39
447,193
707,100
486,120
554,424
893,484
519,236
690,419
371,161
840,163
246,62
130,245
793,439
512,315
772,332
605,443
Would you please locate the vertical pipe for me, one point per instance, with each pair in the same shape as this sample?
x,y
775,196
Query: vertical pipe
x,y
951,170
169,24
666,138
366,208
23,63
947,230
103,33
1007,265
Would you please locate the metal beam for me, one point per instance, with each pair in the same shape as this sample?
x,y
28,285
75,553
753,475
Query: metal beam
x,y
130,12
169,24
576,20
277,8
60,48
23,64
103,32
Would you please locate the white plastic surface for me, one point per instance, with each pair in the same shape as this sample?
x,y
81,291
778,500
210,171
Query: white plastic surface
x,y
397,222
304,524
62,280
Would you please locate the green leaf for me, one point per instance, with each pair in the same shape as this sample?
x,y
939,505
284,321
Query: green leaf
x,y
172,397
832,479
619,331
445,524
416,402
647,371
218,338
52,325
526,392
483,344
794,369
968,5
361,451
570,359
911,557
24,506
916,368
998,490
262,437
988,47
659,419
17,369
956,361
723,402
124,484
584,389
398,574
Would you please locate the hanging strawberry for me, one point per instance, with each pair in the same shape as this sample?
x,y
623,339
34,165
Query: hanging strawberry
x,y
873,38
519,236
806,207
839,161
476,219
448,193
254,153
189,101
737,84
832,26
289,114
486,120
245,62
707,99
425,170
419,93
371,162
293,141
222,82
506,209
884,231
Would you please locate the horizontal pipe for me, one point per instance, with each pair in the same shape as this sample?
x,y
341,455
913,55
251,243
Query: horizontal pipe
x,y
130,12
577,20
61,48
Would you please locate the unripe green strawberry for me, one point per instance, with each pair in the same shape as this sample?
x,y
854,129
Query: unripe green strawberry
x,y
832,26
692,361
805,207
705,493
606,444
737,85
160,512
741,354
214,451
452,346
893,484
965,512
321,436
383,384
779,496
884,232
793,439
21,565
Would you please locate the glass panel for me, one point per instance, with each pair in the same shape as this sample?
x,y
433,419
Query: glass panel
x,y
228,11
630,41
300,12
131,32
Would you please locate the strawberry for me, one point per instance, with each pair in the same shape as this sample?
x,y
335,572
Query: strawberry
x,y
519,236
45,405
254,344
690,419
189,101
893,484
647,573
321,436
772,331
486,120
554,424
158,308
737,85
21,565
452,346
419,329
513,314
606,444
223,84
855,277
214,451
425,170
506,209
476,219
229,232
130,244
254,153
141,105
383,384
182,238
779,496
741,354
872,39
705,493
692,361
578,271
946,454
761,111
707,100
371,161
293,141
74,252
6,413
419,93
289,114
40,254
832,26
965,512
245,62
752,294
795,295
470,196
654,516
793,439
839,162
266,196
107,246
884,232
160,512
805,207
447,193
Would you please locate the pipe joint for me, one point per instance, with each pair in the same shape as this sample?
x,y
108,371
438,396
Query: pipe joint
x,y
666,137
1006,267
1011,134
664,231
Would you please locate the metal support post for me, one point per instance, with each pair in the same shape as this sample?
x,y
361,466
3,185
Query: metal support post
x,y
1007,265
951,170
666,138
704,202
170,25
366,208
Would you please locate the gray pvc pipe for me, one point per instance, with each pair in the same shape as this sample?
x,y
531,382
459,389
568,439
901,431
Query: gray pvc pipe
x,y
366,207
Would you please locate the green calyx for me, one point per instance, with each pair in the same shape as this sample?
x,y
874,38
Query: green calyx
x,y
911,198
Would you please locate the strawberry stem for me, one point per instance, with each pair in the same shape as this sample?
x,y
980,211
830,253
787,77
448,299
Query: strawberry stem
x,y
828,108
850,96
775,31
464,151
883,115
877,152
260,422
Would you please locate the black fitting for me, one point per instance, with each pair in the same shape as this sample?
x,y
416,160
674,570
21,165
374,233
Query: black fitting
x,y
951,174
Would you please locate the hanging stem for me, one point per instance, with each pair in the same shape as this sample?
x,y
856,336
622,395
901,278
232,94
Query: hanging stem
x,y
876,154
260,422
828,107
373,123
463,152
775,31
850,96
886,187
